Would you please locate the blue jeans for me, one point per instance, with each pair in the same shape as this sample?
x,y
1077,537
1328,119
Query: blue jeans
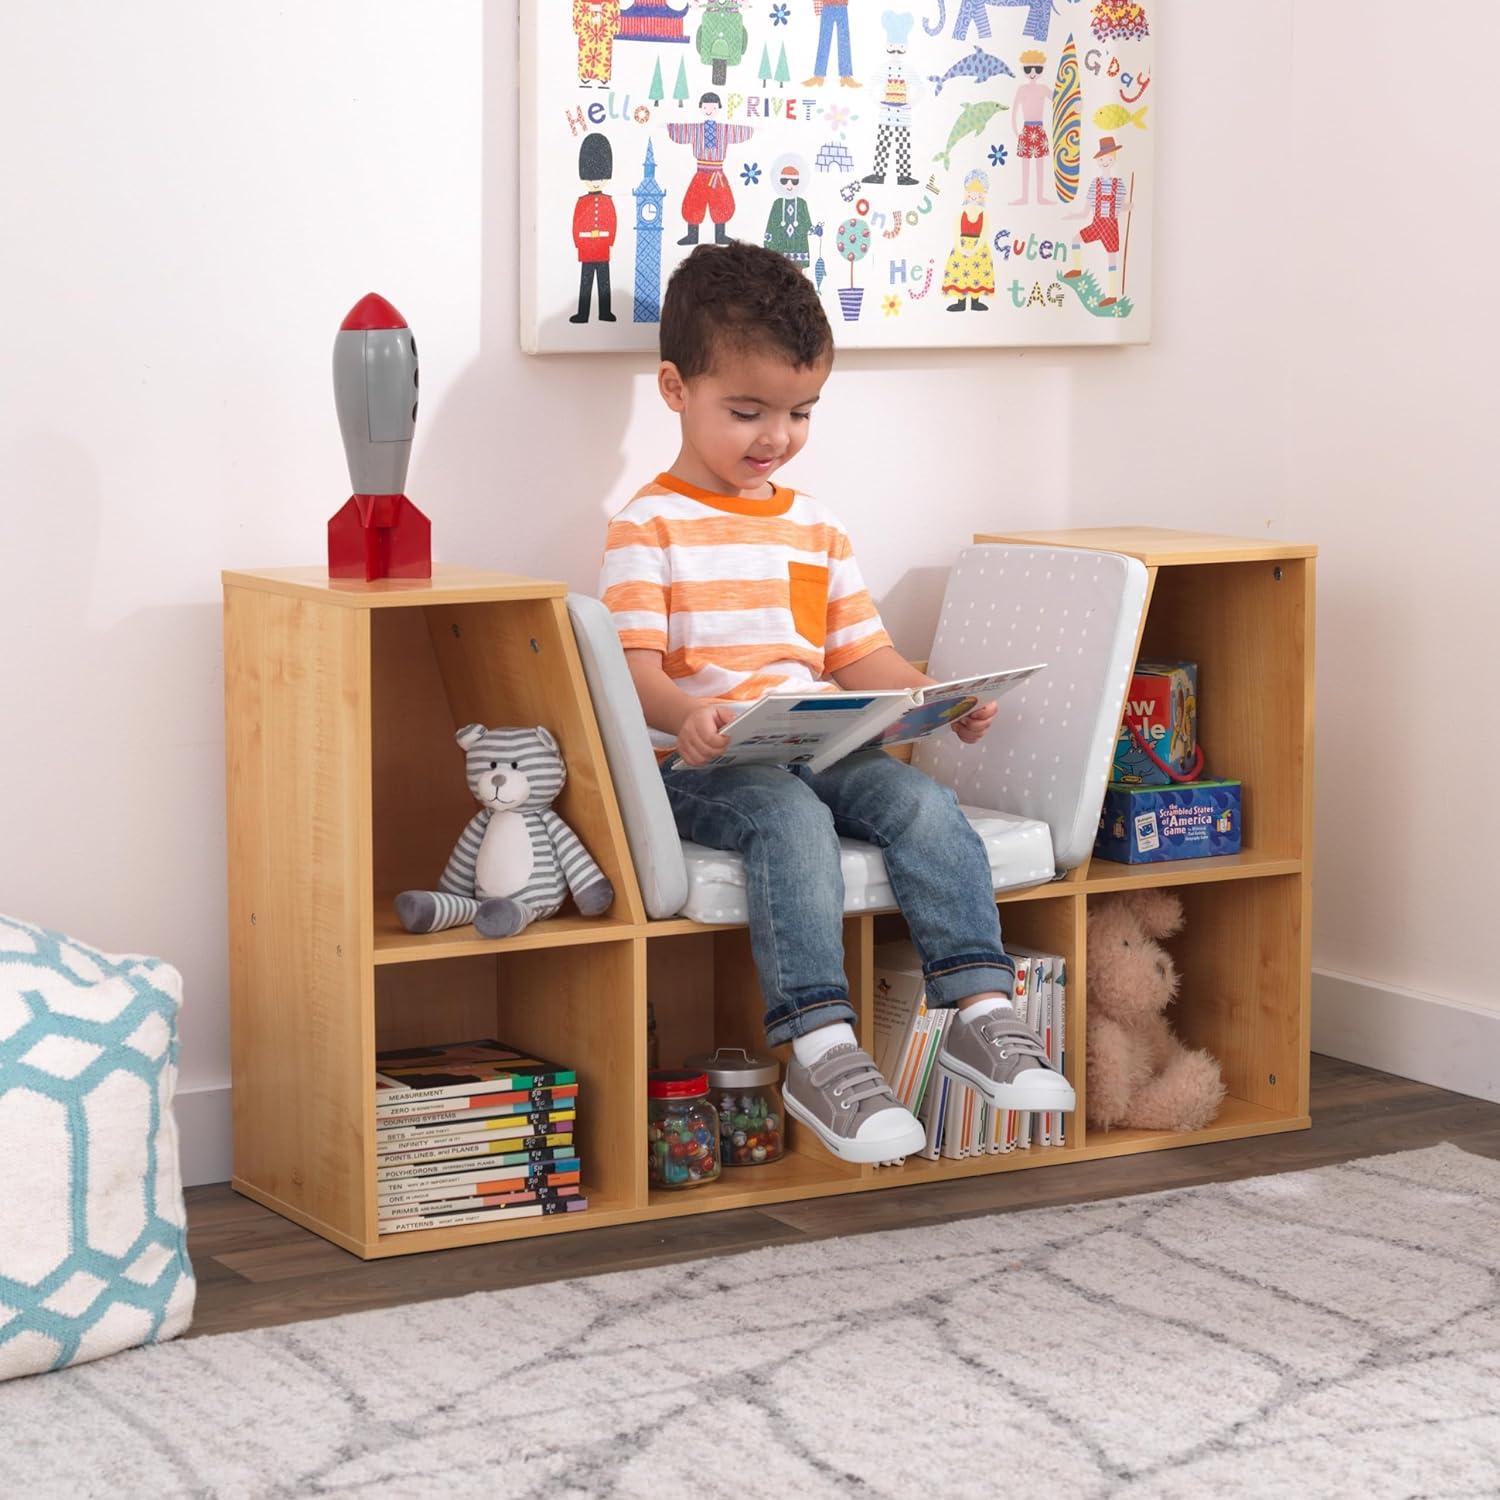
x,y
834,18
786,821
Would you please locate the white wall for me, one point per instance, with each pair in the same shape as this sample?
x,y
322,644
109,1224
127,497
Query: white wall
x,y
1392,336
206,191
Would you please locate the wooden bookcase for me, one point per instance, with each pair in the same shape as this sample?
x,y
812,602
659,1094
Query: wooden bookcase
x,y
345,786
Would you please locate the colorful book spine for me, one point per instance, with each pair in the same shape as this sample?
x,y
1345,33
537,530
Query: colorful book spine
x,y
488,1127
473,1106
476,1185
1022,1002
458,1218
558,1148
444,1208
1042,1009
461,1151
933,1115
1060,1002
505,1084
904,1079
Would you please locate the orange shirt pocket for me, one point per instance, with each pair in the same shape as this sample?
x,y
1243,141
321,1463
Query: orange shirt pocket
x,y
809,597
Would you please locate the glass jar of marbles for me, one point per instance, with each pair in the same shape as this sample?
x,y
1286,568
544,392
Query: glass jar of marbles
x,y
682,1129
751,1118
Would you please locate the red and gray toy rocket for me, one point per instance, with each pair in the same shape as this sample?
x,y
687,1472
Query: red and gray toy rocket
x,y
378,533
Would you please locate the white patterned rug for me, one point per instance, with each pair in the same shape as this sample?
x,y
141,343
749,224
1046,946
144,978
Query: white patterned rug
x,y
1330,1332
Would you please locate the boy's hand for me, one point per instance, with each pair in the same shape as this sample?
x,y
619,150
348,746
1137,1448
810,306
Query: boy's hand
x,y
973,726
698,738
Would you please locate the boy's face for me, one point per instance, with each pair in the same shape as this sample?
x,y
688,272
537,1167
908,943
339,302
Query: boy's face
x,y
745,418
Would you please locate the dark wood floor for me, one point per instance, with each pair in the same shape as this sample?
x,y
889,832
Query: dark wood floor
x,y
256,1269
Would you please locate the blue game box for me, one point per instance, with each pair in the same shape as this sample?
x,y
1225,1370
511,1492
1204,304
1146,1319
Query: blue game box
x,y
1142,824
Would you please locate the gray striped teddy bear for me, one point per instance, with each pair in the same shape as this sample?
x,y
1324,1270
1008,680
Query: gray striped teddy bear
x,y
517,859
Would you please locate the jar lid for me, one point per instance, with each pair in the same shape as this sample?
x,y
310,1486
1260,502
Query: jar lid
x,y
734,1068
675,1083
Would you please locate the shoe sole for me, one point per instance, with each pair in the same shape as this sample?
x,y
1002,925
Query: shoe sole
x,y
1009,1095
861,1153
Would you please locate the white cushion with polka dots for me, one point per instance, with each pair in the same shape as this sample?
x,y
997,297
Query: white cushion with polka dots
x,y
1049,752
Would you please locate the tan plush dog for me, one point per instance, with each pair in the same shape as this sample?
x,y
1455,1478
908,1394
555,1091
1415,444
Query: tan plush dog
x,y
1139,1073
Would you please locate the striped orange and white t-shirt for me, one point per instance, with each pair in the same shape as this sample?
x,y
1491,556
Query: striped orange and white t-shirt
x,y
741,597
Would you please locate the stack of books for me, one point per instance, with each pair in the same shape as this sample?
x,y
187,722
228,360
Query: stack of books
x,y
908,1037
469,1132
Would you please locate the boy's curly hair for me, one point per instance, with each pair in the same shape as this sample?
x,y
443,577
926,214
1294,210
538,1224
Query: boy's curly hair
x,y
745,296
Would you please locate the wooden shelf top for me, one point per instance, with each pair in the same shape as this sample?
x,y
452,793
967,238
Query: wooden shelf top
x,y
1248,864
1159,546
449,584
394,945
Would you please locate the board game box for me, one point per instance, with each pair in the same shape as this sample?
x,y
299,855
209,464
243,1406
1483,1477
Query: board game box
x,y
1143,824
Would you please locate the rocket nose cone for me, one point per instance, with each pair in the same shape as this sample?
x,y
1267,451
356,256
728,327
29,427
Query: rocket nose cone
x,y
372,311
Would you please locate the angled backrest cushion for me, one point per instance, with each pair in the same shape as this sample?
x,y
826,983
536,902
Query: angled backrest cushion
x,y
1049,754
650,828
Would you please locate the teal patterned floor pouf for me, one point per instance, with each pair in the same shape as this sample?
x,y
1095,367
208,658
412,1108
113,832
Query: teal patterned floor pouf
x,y
93,1235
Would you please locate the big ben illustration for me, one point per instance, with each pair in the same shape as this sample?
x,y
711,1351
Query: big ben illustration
x,y
648,200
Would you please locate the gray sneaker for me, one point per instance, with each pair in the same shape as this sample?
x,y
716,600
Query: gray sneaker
x,y
1001,1057
851,1108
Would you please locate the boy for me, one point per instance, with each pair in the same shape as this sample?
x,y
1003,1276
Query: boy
x,y
726,586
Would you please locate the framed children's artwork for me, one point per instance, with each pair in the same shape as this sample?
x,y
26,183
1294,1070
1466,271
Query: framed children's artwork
x,y
945,172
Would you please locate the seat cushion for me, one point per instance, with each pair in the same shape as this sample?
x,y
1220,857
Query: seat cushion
x,y
1020,851
93,1237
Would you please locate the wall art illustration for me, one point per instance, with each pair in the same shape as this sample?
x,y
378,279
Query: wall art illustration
x,y
945,172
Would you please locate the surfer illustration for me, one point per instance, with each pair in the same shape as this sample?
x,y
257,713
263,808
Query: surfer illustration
x,y
1106,199
1033,150
969,273
893,114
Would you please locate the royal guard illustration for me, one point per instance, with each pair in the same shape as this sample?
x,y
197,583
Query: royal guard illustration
x,y
594,226
789,224
969,272
596,24
708,191
833,16
893,113
1106,199
1029,114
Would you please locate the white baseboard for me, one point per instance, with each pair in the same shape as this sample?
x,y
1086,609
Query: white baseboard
x,y
205,1134
1425,1037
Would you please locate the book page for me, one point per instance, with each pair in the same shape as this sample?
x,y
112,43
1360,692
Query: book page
x,y
790,730
944,703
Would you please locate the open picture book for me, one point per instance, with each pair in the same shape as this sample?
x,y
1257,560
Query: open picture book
x,y
817,729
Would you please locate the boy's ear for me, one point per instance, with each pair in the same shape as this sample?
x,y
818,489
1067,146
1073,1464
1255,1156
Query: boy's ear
x,y
672,386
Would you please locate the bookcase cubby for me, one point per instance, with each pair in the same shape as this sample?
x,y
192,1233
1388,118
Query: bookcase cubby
x,y
344,786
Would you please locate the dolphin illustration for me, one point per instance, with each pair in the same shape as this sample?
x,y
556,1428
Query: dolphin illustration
x,y
972,118
979,65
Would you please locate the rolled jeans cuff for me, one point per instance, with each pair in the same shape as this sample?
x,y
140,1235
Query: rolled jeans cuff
x,y
969,974
810,1017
